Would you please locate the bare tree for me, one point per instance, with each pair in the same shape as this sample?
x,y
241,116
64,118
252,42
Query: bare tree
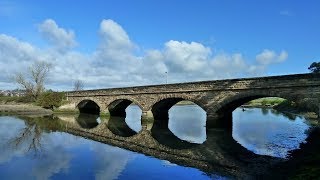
x,y
33,81
78,85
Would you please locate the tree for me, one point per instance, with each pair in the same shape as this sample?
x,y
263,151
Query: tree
x,y
315,67
33,81
50,100
78,85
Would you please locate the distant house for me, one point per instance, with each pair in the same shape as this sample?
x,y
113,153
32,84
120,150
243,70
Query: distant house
x,y
16,92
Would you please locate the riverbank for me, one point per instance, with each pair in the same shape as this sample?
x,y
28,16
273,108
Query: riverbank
x,y
281,105
291,108
23,109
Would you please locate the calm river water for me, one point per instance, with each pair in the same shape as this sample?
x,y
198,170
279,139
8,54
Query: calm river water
x,y
29,151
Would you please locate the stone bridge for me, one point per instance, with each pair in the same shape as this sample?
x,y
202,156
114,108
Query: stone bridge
x,y
218,98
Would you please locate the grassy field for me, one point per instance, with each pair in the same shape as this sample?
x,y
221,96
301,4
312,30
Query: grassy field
x,y
14,99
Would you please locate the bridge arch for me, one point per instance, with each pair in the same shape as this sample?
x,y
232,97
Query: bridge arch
x,y
160,108
175,98
221,114
118,106
176,138
88,106
232,102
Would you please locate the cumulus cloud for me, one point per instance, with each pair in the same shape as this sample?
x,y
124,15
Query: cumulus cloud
x,y
115,64
58,37
185,56
114,36
267,57
15,56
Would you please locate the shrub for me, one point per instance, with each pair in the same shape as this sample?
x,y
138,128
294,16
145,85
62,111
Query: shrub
x,y
50,100
25,99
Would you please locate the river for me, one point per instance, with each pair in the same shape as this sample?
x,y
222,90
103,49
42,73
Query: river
x,y
34,149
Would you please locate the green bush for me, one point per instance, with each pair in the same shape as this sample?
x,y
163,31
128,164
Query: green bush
x,y
50,100
25,99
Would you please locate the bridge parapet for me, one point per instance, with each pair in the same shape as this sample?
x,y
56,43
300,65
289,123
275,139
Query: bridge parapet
x,y
285,81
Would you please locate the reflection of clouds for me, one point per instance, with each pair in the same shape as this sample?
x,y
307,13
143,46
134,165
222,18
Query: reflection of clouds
x,y
271,134
57,154
168,163
110,161
6,134
65,156
188,122
133,118
56,159
53,159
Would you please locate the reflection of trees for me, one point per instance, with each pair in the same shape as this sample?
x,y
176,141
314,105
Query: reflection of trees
x,y
30,136
290,116
275,112
264,111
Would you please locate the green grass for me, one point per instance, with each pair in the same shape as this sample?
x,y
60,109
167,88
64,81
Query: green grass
x,y
16,99
269,101
185,103
8,98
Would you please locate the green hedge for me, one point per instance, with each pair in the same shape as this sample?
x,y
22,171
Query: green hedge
x,y
50,100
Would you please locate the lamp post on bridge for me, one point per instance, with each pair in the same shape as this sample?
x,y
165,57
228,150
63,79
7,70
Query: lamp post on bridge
x,y
166,77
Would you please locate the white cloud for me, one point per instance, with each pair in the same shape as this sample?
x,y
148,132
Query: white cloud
x,y
115,64
267,57
185,56
114,36
58,37
15,56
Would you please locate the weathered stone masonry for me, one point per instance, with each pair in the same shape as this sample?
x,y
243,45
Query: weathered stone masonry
x,y
218,98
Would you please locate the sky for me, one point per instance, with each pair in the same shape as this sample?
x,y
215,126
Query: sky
x,y
118,43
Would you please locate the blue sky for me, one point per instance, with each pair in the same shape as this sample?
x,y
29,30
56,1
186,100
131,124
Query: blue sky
x,y
125,43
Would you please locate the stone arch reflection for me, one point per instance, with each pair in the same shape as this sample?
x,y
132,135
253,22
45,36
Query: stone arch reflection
x,y
180,121
125,117
88,121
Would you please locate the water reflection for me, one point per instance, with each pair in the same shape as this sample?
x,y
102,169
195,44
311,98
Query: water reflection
x,y
88,121
188,122
118,126
166,137
133,118
263,131
272,134
126,126
67,156
61,152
